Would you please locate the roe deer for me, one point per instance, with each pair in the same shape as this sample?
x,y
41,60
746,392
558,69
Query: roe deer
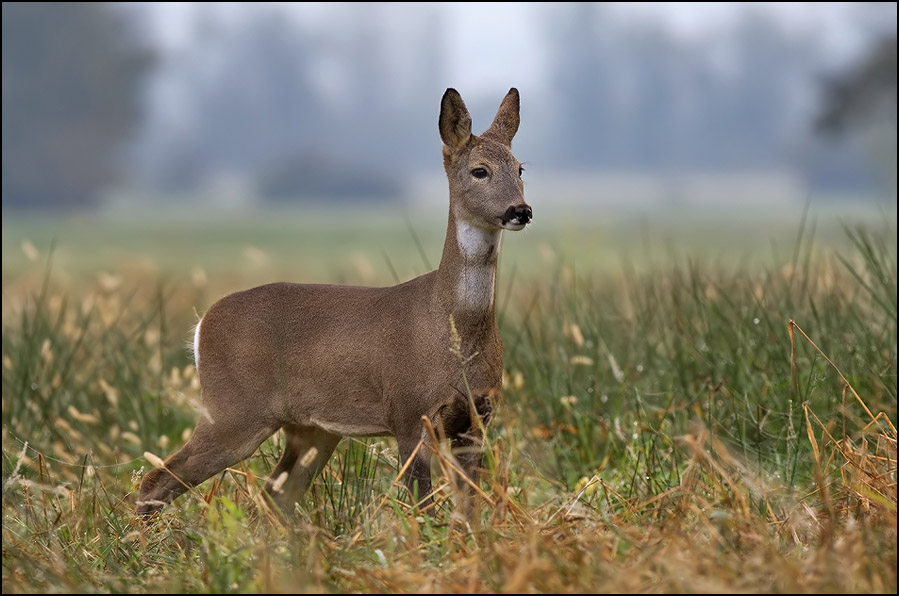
x,y
326,361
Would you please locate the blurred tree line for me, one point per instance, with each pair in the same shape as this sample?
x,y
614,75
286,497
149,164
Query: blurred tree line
x,y
861,103
343,112
71,100
636,97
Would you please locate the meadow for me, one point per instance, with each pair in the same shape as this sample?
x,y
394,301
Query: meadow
x,y
690,404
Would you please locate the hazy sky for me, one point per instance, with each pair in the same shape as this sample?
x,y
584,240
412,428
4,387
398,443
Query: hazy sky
x,y
487,34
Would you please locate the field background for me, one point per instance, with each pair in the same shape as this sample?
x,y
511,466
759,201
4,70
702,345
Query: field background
x,y
660,432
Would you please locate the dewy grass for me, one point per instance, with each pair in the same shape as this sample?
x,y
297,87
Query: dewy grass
x,y
694,427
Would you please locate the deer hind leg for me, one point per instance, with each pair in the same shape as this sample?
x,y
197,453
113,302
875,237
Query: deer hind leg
x,y
306,451
211,449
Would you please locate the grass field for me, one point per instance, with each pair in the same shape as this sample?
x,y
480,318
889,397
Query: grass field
x,y
665,426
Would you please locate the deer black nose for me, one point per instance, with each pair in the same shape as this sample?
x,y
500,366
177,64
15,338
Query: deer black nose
x,y
522,213
518,215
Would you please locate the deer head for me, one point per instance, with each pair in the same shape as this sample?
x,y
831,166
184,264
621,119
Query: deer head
x,y
486,190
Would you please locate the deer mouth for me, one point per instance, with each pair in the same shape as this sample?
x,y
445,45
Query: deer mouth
x,y
516,217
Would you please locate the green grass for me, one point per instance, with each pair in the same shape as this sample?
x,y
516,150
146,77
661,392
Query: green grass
x,y
665,428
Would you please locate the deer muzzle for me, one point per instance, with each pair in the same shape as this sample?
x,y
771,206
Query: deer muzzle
x,y
516,217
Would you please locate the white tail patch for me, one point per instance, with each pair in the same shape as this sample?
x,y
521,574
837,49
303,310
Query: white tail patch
x,y
197,344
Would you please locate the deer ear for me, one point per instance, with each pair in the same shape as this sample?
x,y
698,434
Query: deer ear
x,y
505,125
455,121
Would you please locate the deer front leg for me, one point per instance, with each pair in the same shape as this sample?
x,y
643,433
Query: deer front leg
x,y
468,448
463,422
418,475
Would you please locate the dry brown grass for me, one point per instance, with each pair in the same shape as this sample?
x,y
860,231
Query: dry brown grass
x,y
665,433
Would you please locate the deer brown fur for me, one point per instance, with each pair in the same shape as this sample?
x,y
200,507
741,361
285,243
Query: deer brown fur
x,y
326,361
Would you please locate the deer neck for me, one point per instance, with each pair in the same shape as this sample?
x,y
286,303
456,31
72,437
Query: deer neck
x,y
466,279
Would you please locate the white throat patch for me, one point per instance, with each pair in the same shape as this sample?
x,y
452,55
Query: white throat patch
x,y
476,243
476,284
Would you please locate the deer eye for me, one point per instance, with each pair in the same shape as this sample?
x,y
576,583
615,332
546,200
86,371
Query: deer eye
x,y
479,173
520,171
